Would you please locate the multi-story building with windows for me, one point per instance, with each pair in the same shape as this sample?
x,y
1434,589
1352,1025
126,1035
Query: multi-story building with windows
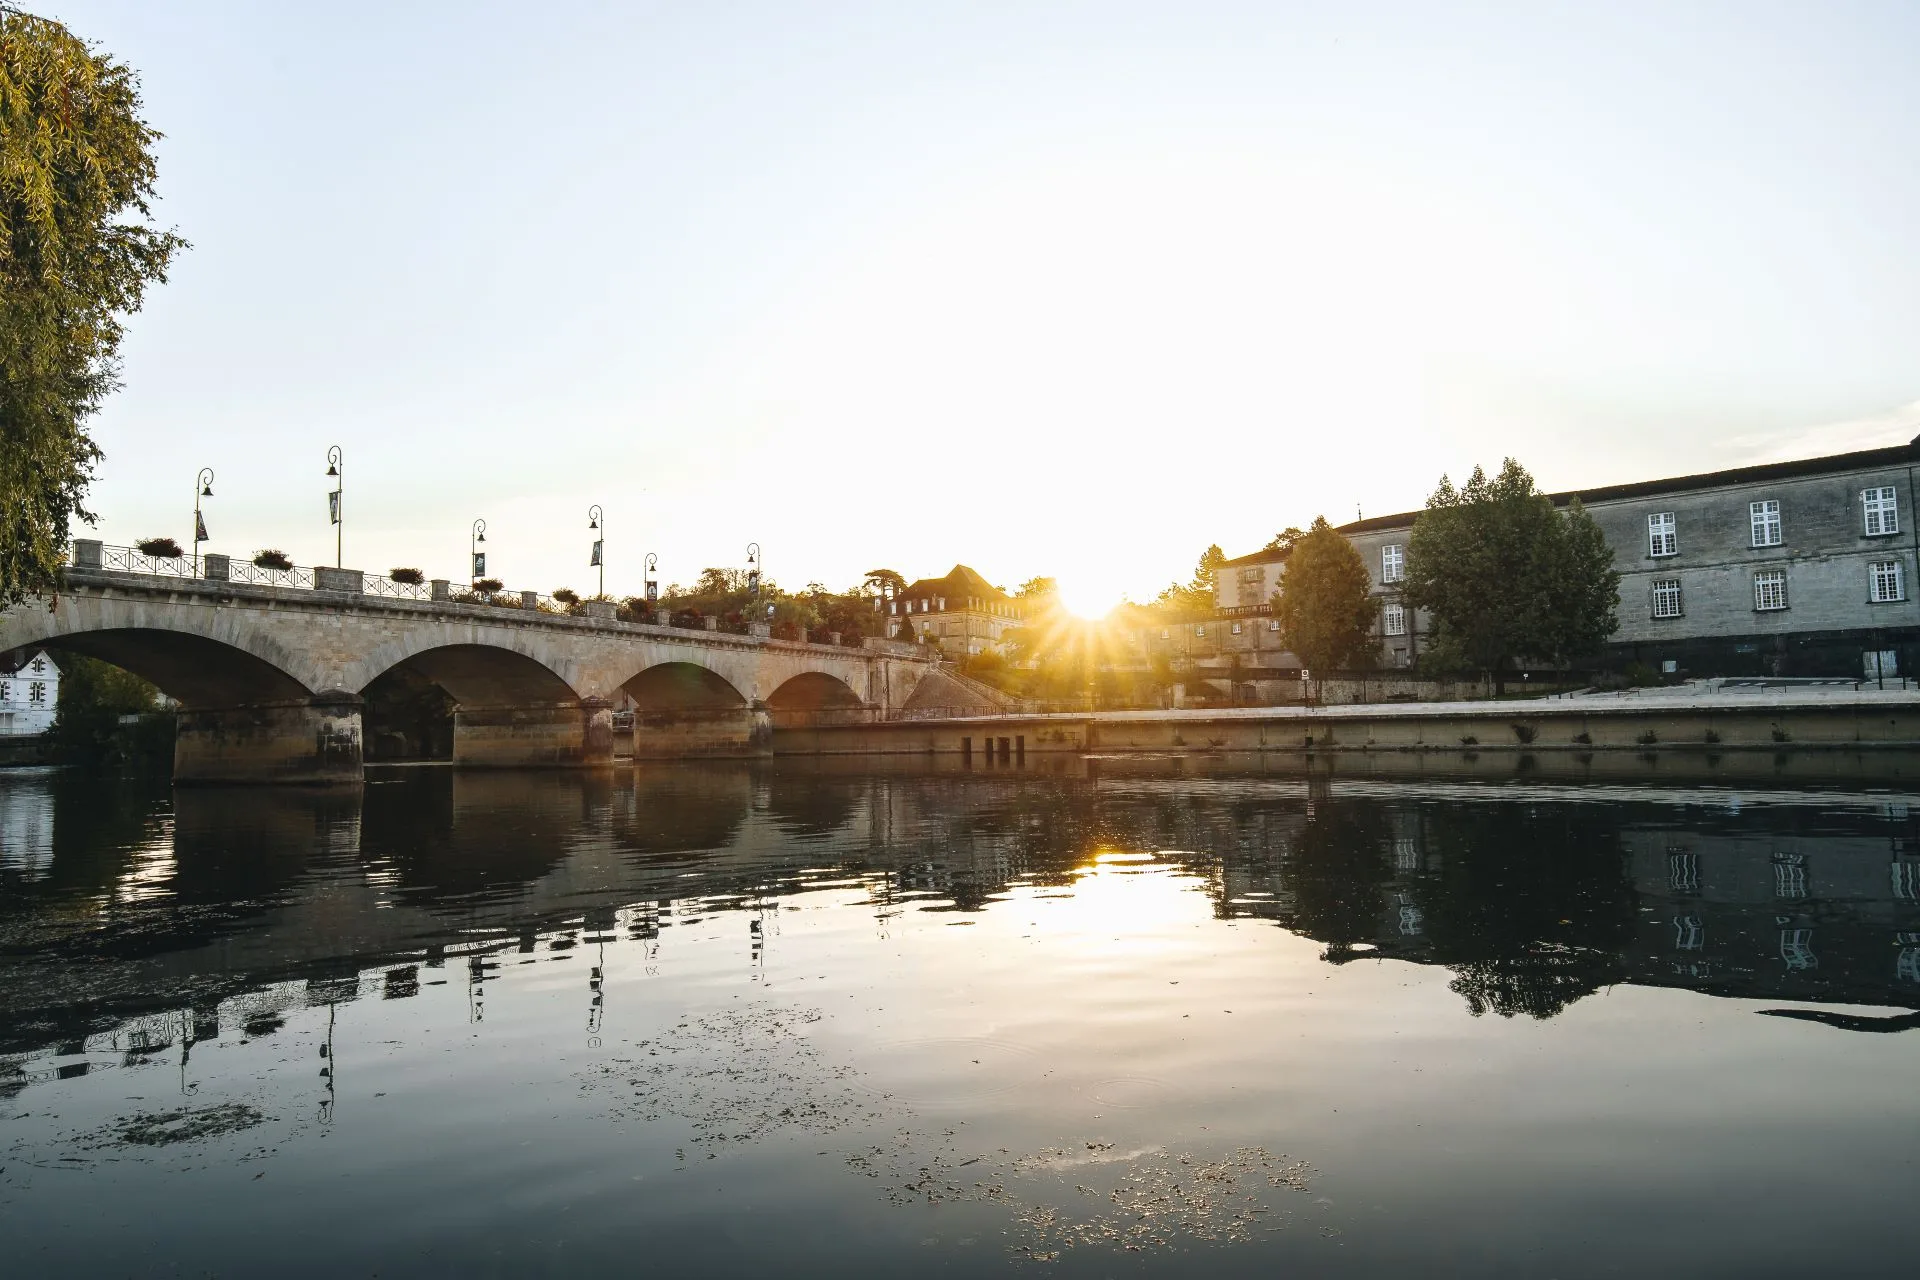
x,y
1789,568
29,690
963,613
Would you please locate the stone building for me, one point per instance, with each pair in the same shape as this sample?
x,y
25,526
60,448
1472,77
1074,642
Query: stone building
x,y
962,612
1800,568
28,694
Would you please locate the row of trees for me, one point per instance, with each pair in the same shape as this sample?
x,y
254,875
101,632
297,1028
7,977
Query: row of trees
x,y
814,613
1503,575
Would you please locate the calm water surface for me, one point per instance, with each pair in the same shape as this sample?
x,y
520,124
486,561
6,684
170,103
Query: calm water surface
x,y
1094,1018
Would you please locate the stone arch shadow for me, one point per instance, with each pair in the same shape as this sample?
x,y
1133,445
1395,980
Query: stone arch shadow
x,y
815,698
476,704
686,709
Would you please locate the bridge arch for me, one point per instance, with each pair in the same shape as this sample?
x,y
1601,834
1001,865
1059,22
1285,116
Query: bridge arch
x,y
197,671
814,691
479,675
683,686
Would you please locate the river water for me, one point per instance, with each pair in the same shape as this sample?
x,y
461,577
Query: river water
x,y
1088,1018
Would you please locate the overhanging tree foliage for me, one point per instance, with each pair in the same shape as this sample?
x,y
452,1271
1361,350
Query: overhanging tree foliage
x,y
76,178
1503,575
1325,605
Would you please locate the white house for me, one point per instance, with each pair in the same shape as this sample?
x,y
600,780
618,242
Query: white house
x,y
29,689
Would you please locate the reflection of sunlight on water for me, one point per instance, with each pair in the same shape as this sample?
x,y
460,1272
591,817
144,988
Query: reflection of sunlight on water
x,y
26,832
150,873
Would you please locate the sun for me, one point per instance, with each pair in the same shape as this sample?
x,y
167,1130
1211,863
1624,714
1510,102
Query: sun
x,y
1087,598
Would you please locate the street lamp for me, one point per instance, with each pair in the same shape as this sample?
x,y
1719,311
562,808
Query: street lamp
x,y
202,488
653,586
596,518
753,571
337,470
478,536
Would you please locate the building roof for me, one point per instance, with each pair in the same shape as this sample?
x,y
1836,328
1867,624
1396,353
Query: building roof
x,y
959,583
12,664
1896,455
1265,555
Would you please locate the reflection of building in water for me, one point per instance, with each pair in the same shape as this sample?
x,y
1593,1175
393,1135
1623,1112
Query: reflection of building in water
x,y
26,831
1532,902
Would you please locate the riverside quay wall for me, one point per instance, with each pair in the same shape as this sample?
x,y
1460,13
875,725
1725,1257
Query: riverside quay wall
x,y
1770,719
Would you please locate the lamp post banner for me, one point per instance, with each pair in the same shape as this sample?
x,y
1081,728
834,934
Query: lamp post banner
x,y
653,592
199,527
333,507
596,553
479,564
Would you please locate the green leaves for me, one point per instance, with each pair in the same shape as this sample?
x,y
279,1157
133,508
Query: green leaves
x,y
1504,575
76,179
1325,606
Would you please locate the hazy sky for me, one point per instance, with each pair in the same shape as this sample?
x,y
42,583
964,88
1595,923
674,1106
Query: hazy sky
x,y
1044,288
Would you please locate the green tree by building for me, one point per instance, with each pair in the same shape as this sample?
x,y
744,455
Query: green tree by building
x,y
1325,604
1505,576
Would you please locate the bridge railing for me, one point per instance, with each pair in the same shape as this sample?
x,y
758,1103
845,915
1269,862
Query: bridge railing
x,y
397,590
87,553
263,576
129,560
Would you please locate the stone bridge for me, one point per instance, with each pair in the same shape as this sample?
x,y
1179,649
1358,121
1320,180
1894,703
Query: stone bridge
x,y
271,680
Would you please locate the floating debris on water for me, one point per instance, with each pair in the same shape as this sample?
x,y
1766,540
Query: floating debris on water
x,y
752,1074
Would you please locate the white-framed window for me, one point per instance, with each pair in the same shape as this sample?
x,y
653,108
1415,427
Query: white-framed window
x,y
1273,624
1765,519
6,691
39,666
1885,583
1662,536
1166,633
1683,871
1200,629
1393,562
1393,620
1236,628
1880,511
37,691
1689,934
1667,601
1770,590
1796,949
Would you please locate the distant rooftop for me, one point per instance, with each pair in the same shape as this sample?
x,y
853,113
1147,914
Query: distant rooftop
x,y
1895,455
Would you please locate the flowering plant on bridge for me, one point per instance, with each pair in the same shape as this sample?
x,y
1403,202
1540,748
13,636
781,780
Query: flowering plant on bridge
x,y
406,577
567,596
158,547
487,586
272,559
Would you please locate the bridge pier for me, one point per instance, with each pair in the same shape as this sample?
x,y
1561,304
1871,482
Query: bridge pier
x,y
567,736
670,733
316,741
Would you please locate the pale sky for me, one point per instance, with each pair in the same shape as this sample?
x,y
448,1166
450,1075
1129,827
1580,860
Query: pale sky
x,y
1073,289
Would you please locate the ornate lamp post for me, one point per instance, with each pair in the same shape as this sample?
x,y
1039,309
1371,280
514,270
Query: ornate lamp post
x,y
753,571
478,536
595,519
337,470
202,488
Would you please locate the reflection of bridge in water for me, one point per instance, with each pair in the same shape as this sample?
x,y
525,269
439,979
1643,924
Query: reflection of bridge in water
x,y
142,923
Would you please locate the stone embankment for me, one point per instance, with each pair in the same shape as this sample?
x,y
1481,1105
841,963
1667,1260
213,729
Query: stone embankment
x,y
1708,716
